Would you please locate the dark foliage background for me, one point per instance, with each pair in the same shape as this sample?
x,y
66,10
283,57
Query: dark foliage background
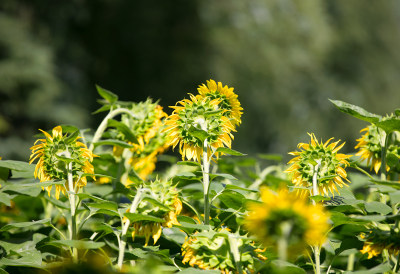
x,y
285,58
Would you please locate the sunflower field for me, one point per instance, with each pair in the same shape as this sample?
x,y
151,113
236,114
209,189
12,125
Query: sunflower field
x,y
152,192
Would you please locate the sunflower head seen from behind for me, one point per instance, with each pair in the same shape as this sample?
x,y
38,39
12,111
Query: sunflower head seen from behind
x,y
227,99
55,154
325,158
194,121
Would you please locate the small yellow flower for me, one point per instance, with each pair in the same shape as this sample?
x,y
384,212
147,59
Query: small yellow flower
x,y
54,153
227,99
331,171
198,115
309,223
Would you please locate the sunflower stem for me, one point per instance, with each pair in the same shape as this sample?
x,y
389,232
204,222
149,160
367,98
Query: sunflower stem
x,y
206,183
125,226
71,196
103,125
285,227
316,192
383,156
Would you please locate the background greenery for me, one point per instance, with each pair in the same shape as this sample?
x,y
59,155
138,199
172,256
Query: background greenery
x,y
285,59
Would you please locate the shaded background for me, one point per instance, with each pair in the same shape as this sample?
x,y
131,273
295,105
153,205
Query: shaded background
x,y
284,58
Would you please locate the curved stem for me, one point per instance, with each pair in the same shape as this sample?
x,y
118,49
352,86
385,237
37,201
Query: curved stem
x,y
125,226
103,125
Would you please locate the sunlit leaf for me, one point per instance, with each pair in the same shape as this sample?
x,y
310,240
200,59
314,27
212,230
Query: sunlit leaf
x,y
229,151
106,94
356,111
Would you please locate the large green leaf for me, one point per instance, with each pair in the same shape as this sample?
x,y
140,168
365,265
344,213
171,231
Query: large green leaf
x,y
356,111
104,205
17,165
394,197
5,198
29,258
232,199
192,270
378,207
25,224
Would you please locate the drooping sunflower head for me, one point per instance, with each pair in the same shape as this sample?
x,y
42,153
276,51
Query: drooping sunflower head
x,y
195,120
210,250
324,158
58,155
370,147
377,240
227,99
286,214
165,194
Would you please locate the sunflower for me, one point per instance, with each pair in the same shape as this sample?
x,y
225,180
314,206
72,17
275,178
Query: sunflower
x,y
211,250
54,154
370,147
227,99
194,120
378,240
308,223
165,193
331,171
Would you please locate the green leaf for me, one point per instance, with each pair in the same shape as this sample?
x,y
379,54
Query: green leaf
x,y
393,184
194,226
233,187
198,133
389,125
102,109
222,175
188,163
113,142
17,165
4,174
104,205
80,244
232,199
30,258
106,94
378,207
192,270
394,197
356,111
174,234
5,198
25,224
279,266
135,217
319,198
124,129
229,151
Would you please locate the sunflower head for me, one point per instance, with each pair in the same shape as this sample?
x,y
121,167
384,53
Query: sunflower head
x,y
55,154
376,240
331,168
165,194
227,99
195,120
370,146
211,250
286,212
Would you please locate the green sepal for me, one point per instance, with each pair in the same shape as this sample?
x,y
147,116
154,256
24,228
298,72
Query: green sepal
x,y
198,133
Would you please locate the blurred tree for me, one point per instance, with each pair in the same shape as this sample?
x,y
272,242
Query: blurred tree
x,y
285,58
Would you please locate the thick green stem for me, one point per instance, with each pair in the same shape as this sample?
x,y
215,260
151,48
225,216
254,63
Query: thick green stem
x,y
206,183
316,192
125,226
103,125
286,228
350,262
72,223
383,156
233,244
